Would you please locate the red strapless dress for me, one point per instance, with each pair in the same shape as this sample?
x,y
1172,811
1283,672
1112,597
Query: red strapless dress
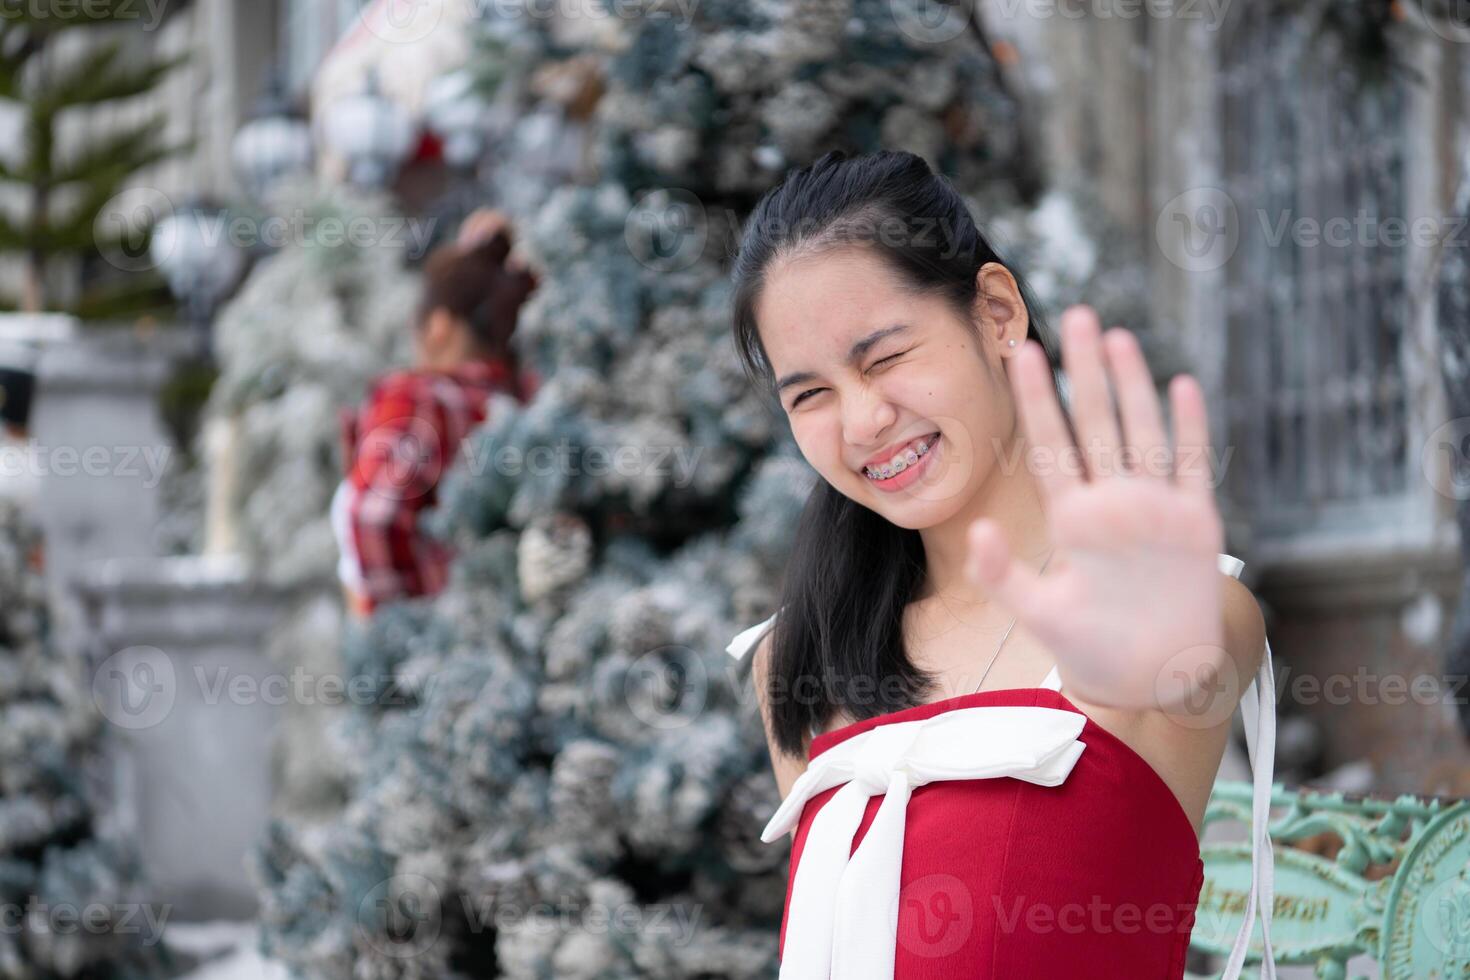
x,y
1002,835
1002,878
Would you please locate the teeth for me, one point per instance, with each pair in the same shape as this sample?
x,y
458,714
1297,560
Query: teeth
x,y
900,462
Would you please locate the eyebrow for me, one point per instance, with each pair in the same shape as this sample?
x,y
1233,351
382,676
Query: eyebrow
x,y
859,348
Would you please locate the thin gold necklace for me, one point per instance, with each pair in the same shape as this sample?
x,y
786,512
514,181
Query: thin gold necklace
x,y
1002,642
817,729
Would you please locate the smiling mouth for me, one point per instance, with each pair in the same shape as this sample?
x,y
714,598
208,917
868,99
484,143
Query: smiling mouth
x,y
902,461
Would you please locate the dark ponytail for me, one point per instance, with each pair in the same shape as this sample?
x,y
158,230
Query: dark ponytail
x,y
838,638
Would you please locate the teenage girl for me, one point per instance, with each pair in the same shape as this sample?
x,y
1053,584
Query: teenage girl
x,y
1008,645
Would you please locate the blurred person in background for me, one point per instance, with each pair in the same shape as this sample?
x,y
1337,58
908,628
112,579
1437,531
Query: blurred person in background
x,y
403,438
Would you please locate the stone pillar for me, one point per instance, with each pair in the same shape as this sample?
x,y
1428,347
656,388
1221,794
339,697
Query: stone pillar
x,y
102,451
192,703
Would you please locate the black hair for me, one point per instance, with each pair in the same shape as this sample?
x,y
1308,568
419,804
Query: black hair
x,y
838,638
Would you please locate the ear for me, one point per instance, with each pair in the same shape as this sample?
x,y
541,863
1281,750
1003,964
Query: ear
x,y
1000,309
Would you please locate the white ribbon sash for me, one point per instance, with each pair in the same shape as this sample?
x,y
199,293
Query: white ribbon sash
x,y
843,919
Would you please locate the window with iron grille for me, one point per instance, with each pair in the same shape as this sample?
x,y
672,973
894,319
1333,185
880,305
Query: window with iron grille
x,y
1315,292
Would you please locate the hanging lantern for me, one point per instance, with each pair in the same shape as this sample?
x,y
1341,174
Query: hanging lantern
x,y
373,134
275,143
456,113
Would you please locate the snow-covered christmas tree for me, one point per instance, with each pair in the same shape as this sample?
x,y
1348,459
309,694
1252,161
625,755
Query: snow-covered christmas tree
x,y
310,326
73,901
562,775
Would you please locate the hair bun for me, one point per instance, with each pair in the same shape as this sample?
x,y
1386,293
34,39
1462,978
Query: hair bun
x,y
491,251
476,283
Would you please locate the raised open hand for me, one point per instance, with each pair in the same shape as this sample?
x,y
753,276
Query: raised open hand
x,y
1131,600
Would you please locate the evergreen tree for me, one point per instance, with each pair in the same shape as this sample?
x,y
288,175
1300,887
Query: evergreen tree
x,y
57,874
60,60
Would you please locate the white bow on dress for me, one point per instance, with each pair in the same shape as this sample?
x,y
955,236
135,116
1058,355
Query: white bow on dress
x,y
843,916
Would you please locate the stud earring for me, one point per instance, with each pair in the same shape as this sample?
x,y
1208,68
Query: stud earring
x,y
1013,341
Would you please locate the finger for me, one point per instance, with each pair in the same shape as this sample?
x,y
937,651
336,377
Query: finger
x,y
990,564
1051,454
1138,404
1092,407
1192,469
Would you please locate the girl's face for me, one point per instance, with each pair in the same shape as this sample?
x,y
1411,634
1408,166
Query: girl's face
x,y
867,371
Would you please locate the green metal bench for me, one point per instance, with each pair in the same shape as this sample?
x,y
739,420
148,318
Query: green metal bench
x,y
1397,889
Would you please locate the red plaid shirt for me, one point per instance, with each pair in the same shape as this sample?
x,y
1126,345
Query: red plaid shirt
x,y
398,445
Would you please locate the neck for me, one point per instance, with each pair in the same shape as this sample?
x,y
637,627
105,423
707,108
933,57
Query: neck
x,y
448,360
1012,499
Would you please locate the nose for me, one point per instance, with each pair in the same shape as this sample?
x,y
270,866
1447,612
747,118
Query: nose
x,y
866,414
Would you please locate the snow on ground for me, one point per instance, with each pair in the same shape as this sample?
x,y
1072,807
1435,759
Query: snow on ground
x,y
229,947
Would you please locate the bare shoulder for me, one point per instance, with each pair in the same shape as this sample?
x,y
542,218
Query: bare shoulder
x,y
1245,630
1244,647
1185,747
786,767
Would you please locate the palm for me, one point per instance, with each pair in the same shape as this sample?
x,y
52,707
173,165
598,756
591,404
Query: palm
x,y
1132,588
